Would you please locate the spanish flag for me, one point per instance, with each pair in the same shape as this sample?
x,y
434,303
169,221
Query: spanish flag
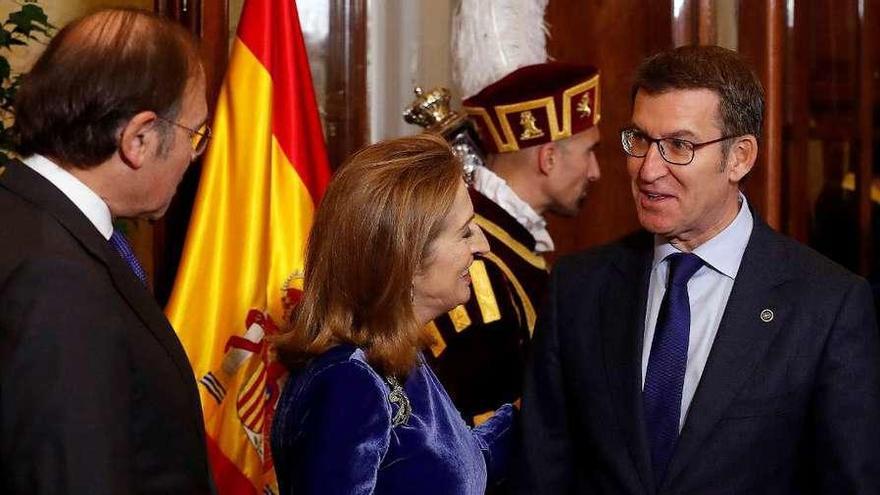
x,y
263,175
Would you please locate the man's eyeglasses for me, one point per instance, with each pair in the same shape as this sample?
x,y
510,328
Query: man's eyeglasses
x,y
198,137
673,150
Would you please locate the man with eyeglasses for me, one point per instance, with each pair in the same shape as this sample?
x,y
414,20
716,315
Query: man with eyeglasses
x,y
707,354
96,393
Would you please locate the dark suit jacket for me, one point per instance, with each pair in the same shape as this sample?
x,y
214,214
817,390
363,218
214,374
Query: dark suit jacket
x,y
96,393
790,405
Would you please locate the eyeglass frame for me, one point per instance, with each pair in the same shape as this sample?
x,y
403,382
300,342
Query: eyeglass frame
x,y
205,136
651,140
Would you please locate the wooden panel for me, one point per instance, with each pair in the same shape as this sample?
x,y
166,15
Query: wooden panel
x,y
833,116
868,32
761,42
773,66
707,29
615,36
694,22
208,20
797,207
346,119
684,22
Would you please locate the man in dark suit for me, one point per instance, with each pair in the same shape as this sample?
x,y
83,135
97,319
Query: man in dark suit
x,y
96,393
710,354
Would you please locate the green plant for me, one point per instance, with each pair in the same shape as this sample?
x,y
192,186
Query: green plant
x,y
28,23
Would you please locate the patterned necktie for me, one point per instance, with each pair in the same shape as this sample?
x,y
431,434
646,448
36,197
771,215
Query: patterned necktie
x,y
666,365
121,246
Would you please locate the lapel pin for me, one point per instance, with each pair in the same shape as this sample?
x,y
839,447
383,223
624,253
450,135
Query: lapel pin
x,y
767,316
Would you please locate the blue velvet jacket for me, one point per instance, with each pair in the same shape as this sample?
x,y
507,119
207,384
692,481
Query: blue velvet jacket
x,y
335,433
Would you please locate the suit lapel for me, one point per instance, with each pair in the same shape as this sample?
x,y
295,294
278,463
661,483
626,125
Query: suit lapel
x,y
31,186
623,324
741,341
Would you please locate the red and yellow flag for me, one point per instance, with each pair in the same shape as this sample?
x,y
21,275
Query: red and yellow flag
x,y
264,172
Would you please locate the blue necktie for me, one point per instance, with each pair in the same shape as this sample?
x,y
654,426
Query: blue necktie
x,y
121,246
664,378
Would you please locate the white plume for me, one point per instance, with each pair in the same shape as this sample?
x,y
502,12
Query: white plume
x,y
491,38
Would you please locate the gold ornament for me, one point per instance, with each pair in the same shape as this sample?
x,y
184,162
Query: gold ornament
x,y
583,106
530,129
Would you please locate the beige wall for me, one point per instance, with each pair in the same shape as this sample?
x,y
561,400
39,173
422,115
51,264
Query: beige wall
x,y
407,46
60,12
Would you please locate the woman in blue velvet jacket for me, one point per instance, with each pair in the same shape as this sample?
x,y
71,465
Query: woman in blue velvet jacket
x,y
362,413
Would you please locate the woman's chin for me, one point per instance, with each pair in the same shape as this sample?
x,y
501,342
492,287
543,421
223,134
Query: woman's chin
x,y
464,297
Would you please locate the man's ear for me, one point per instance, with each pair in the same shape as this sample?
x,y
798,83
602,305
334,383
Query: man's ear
x,y
548,157
138,139
741,157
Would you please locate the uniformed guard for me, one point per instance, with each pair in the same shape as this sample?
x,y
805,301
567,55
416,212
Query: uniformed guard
x,y
538,130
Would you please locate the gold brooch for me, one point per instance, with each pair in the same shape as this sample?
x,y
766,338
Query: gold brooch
x,y
398,397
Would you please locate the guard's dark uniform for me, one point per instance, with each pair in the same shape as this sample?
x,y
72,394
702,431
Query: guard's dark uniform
x,y
479,353
480,347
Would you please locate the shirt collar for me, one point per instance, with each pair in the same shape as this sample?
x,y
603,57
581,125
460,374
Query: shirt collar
x,y
723,252
92,206
496,189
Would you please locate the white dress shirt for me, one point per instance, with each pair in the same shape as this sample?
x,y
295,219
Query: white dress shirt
x,y
487,183
92,206
708,291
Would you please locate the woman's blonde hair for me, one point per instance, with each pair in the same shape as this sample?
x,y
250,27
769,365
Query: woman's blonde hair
x,y
374,227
